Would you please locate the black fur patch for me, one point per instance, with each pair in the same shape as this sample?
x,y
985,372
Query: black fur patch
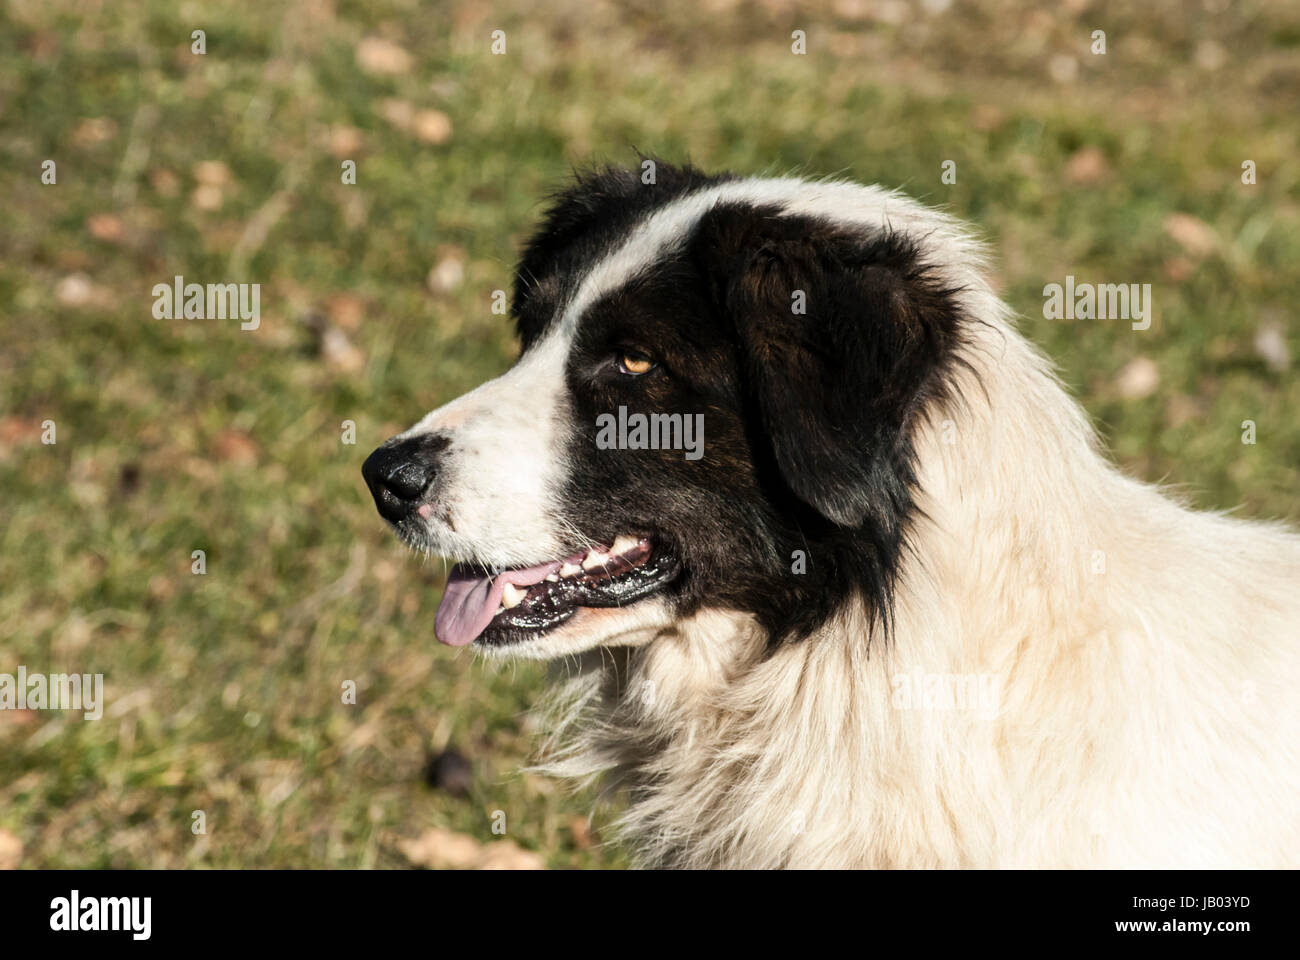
x,y
807,416
583,223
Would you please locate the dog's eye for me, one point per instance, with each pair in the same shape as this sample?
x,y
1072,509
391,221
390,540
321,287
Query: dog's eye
x,y
634,363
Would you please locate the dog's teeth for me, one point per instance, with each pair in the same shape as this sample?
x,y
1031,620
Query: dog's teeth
x,y
622,544
552,578
595,559
570,570
512,596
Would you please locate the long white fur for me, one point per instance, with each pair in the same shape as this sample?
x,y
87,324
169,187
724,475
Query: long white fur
x,y
1146,655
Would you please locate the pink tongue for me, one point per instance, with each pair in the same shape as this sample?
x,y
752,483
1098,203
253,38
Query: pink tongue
x,y
471,600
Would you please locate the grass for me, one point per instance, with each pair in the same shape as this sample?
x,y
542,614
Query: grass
x,y
224,690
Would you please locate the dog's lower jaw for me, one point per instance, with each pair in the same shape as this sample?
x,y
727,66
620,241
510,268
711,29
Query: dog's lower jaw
x,y
592,629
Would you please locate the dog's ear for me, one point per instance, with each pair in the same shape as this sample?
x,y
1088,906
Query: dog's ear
x,y
841,335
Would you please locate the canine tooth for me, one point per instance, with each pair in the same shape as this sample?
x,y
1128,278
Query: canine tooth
x,y
570,570
552,578
512,596
595,559
622,544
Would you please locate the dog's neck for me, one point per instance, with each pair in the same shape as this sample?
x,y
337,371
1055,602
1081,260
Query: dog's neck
x,y
1014,499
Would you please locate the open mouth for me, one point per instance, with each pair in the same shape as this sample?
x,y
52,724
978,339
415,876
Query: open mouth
x,y
509,606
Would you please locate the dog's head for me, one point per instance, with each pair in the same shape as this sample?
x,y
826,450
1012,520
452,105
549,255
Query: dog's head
x,y
712,409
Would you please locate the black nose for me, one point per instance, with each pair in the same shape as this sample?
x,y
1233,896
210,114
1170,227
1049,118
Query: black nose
x,y
399,474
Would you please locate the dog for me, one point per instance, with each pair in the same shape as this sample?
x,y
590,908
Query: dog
x,y
900,611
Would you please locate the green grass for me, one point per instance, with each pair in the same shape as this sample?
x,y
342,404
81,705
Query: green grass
x,y
224,690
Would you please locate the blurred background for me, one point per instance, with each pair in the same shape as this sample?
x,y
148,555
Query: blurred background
x,y
224,691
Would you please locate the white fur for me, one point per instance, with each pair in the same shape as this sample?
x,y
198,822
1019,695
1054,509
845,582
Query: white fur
x,y
1148,716
497,490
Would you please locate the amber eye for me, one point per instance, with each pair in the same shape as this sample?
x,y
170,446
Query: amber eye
x,y
635,363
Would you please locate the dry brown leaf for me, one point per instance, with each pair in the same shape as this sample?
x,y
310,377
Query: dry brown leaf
x,y
845,9
18,719
449,272
106,227
379,56
441,849
93,131
432,126
345,142
339,353
11,850
78,290
397,112
213,173
235,446
1138,379
160,587
164,182
15,430
508,855
345,310
1191,233
207,196
1085,166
